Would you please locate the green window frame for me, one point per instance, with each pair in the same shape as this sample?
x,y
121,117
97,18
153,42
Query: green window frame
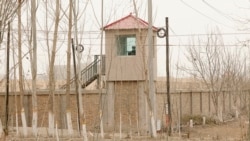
x,y
126,45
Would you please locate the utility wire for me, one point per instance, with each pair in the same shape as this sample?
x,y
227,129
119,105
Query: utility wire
x,y
171,36
174,33
217,10
226,45
205,15
243,44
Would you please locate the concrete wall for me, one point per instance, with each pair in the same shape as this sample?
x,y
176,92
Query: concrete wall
x,y
201,103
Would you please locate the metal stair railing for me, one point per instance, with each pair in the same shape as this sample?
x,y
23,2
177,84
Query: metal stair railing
x,y
89,73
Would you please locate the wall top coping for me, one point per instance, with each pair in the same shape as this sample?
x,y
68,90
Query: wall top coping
x,y
61,92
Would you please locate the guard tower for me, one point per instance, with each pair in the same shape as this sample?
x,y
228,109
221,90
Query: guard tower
x,y
126,49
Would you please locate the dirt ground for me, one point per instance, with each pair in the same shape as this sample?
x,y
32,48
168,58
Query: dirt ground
x,y
231,130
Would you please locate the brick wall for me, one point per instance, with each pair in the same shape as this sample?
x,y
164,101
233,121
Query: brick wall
x,y
126,106
90,103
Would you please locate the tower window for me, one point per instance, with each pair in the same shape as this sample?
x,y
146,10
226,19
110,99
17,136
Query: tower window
x,y
126,45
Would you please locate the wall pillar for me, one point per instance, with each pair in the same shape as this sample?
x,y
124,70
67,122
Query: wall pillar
x,y
62,112
108,109
143,109
27,108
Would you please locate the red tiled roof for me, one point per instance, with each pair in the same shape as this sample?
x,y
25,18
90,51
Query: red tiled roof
x,y
128,22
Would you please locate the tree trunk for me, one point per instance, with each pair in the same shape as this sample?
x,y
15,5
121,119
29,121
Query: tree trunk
x,y
14,87
80,105
68,112
52,110
151,73
100,74
23,119
34,67
1,128
248,131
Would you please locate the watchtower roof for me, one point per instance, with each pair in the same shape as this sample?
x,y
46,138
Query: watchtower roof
x,y
128,22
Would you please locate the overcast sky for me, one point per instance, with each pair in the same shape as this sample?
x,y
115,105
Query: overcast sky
x,y
186,18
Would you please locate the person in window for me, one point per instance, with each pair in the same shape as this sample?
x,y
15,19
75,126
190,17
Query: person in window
x,y
133,51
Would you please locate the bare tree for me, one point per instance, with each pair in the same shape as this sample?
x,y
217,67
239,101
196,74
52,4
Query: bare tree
x,y
243,22
214,64
52,109
14,86
149,86
8,10
24,123
81,116
34,66
233,77
150,72
68,112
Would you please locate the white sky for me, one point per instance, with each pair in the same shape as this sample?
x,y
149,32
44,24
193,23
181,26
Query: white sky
x,y
186,17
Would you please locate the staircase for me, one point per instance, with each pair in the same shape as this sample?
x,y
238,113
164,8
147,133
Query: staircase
x,y
90,73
